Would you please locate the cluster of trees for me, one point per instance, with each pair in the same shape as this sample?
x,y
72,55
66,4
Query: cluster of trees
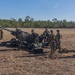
x,y
31,23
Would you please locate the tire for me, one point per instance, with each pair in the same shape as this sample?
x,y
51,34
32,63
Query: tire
x,y
13,42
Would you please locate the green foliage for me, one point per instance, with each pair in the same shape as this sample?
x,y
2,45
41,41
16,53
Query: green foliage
x,y
31,23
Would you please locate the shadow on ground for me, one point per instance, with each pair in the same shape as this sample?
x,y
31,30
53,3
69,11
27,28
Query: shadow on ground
x,y
66,51
23,48
33,54
73,56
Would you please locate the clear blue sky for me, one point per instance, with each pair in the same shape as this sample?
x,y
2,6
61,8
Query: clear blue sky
x,y
38,9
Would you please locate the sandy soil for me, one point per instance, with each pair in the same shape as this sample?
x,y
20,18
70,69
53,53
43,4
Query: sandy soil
x,y
14,62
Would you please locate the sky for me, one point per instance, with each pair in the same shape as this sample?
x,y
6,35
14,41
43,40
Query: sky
x,y
38,9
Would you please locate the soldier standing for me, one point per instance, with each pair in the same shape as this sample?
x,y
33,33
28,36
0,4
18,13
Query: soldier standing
x,y
58,41
1,34
52,43
21,38
33,39
46,35
34,35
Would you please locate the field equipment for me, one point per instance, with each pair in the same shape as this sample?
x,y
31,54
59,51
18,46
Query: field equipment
x,y
24,39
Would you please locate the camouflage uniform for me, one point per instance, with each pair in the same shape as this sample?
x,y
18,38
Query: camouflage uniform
x,y
46,35
34,36
21,38
18,32
52,43
58,41
1,34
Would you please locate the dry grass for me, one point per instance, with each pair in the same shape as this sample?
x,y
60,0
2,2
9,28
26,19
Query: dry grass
x,y
22,63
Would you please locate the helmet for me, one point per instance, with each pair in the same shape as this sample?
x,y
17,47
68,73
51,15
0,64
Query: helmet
x,y
32,30
51,31
57,30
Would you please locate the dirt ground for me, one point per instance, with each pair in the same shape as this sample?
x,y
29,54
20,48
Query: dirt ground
x,y
15,62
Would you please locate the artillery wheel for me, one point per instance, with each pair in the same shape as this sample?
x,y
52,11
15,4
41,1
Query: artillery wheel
x,y
13,42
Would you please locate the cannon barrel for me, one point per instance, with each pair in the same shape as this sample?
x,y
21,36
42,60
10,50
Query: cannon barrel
x,y
15,32
6,29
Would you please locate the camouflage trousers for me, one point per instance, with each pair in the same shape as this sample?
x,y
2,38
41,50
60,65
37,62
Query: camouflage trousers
x,y
58,45
52,46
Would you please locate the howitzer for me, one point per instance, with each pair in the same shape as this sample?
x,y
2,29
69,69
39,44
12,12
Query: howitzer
x,y
24,39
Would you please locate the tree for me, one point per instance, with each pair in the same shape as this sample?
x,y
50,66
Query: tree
x,y
31,23
27,19
20,20
54,20
32,19
13,19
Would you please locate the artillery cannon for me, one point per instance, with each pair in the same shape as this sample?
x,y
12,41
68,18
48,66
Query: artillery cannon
x,y
25,40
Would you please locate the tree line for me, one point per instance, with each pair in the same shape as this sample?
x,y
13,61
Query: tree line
x,y
31,23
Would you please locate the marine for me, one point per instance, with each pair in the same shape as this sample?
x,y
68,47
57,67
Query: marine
x,y
21,38
46,35
58,40
52,43
34,36
1,33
